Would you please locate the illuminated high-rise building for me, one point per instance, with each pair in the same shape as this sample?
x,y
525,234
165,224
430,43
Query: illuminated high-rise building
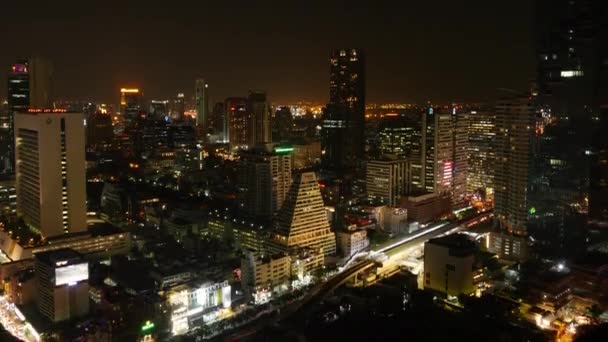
x,y
387,179
482,152
400,136
344,118
515,130
99,130
131,103
259,115
265,179
50,178
29,85
237,120
302,221
178,107
428,155
201,99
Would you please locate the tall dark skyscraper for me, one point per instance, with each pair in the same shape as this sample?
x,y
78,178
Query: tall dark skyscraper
x,y
201,99
236,121
344,119
259,131
18,100
29,86
568,46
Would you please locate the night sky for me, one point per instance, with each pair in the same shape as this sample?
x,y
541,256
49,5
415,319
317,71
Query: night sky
x,y
416,50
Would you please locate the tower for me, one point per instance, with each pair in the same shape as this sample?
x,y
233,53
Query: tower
x,y
201,99
50,179
302,221
344,118
515,129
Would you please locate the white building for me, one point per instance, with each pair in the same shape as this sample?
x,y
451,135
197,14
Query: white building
x,y
194,304
352,241
50,164
387,179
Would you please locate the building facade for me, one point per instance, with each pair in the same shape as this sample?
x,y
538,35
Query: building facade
x,y
387,180
344,119
515,129
50,180
302,221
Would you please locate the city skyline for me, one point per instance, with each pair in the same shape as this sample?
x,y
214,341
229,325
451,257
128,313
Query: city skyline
x,y
445,55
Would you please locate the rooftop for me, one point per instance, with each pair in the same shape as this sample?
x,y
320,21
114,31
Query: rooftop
x,y
64,254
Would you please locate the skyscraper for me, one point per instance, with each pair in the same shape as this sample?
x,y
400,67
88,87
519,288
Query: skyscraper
x,y
569,63
302,221
265,179
460,136
515,130
131,103
429,154
282,125
178,107
29,85
387,179
237,120
344,118
482,152
50,182
259,131
201,99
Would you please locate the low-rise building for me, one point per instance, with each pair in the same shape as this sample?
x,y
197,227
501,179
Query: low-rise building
x,y
449,265
352,241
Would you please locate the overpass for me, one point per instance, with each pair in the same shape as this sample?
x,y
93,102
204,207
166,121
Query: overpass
x,y
367,260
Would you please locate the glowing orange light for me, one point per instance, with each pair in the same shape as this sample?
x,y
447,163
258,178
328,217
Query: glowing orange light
x,y
129,90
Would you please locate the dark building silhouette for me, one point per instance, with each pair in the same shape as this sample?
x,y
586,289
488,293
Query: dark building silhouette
x,y
344,117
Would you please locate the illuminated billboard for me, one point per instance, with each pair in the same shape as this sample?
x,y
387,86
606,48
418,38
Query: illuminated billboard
x,y
71,274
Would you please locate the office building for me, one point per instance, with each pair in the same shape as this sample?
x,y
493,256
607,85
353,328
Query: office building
x,y
259,131
428,167
217,124
449,265
262,274
131,104
515,129
62,283
507,246
344,118
264,179
178,109
460,169
444,153
99,130
401,136
387,180
159,110
481,153
29,85
201,99
282,125
302,220
50,180
237,120
569,37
